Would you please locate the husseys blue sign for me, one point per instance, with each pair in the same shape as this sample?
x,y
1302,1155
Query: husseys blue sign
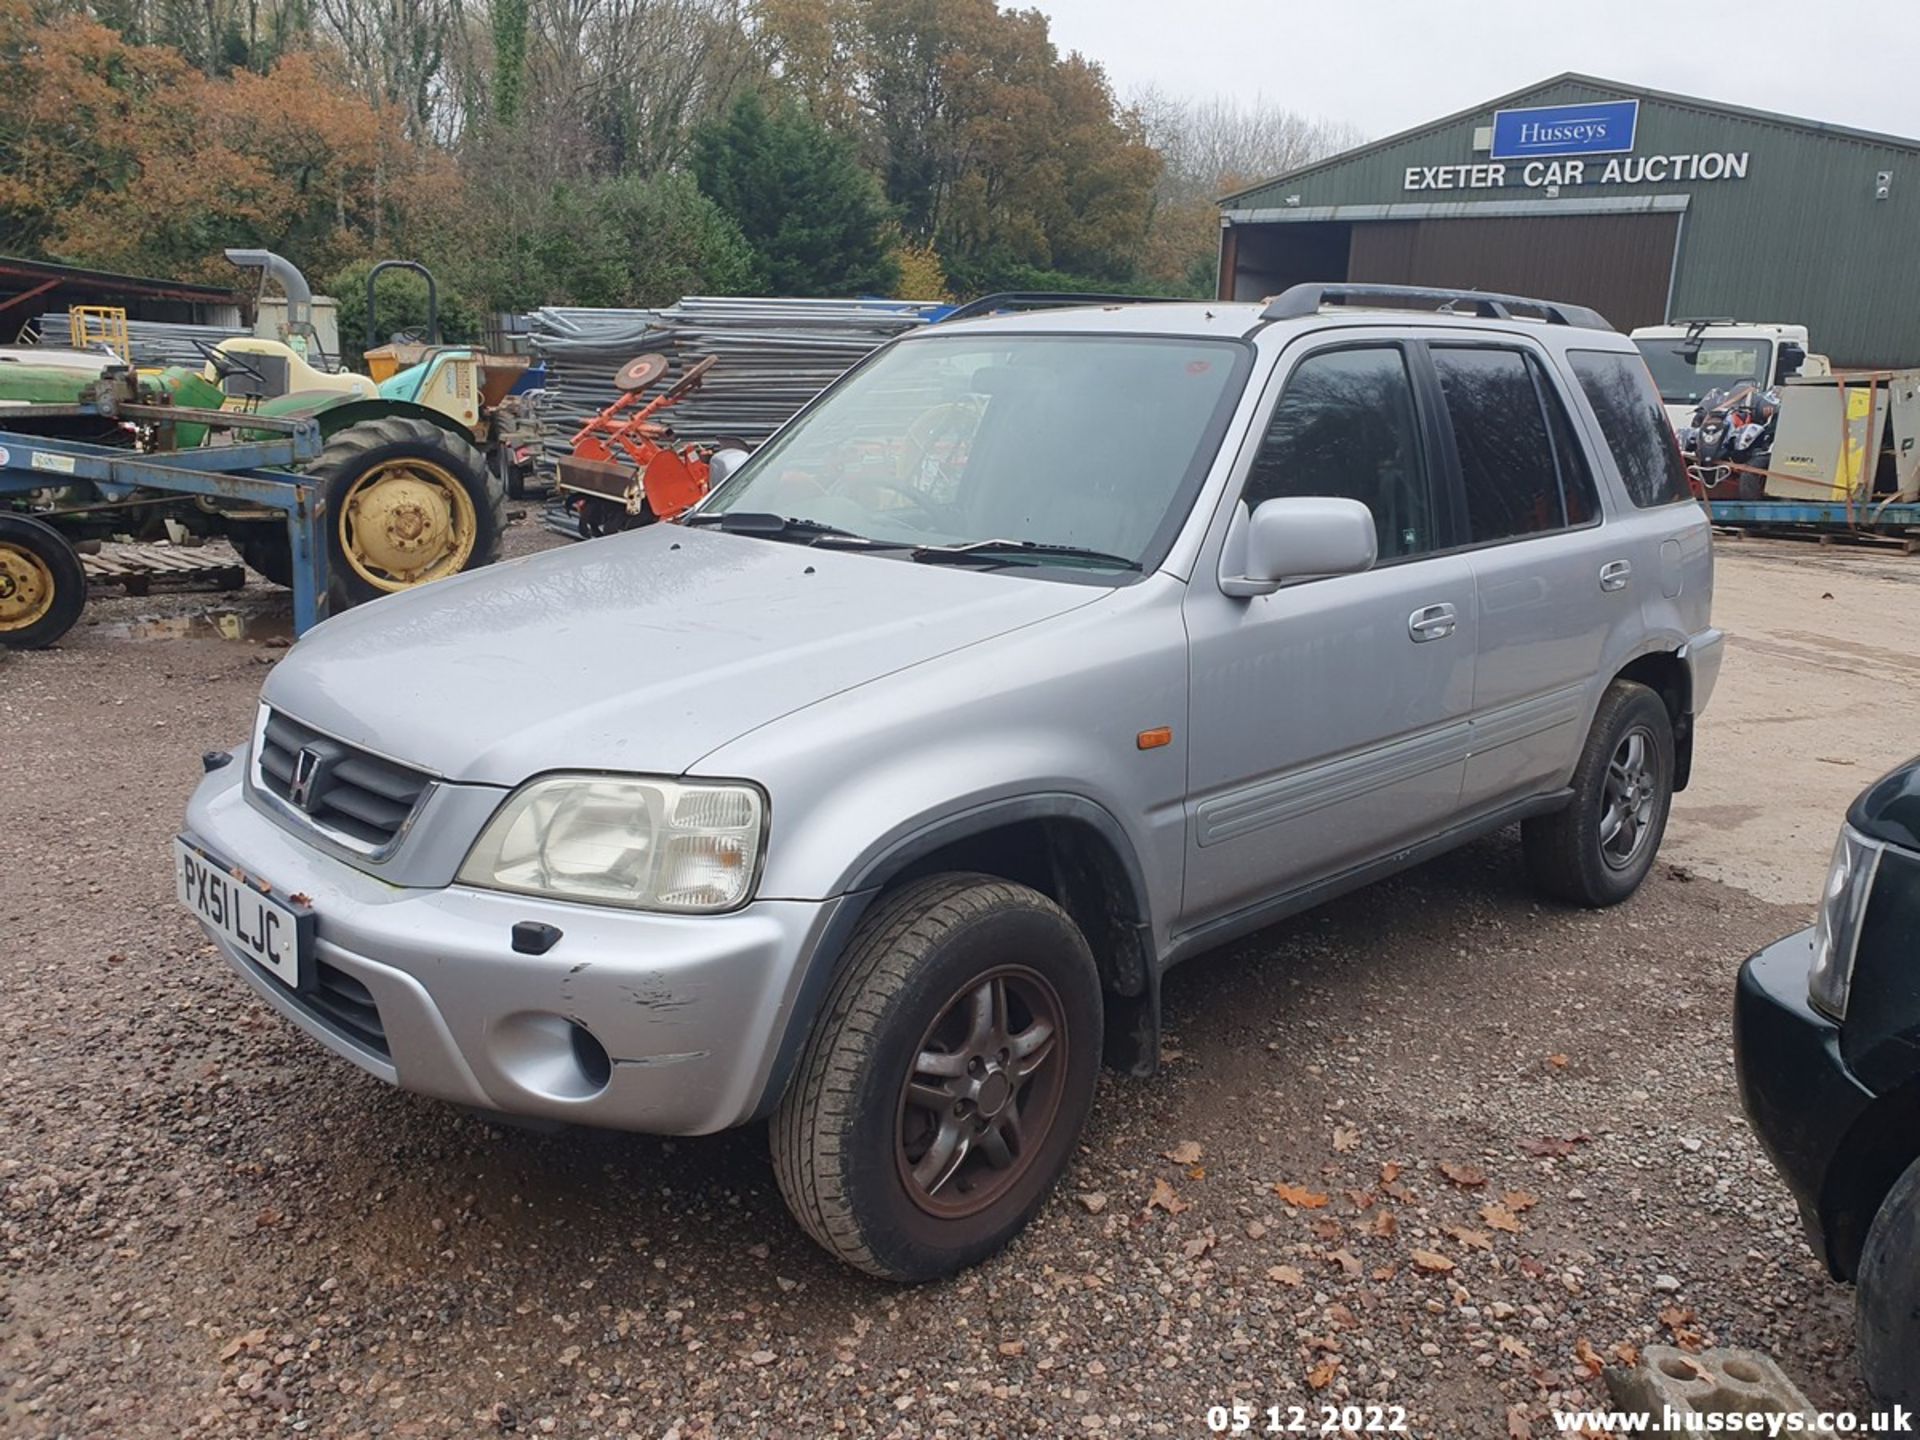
x,y
1602,128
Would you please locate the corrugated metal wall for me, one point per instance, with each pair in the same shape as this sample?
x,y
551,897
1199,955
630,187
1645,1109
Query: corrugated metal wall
x,y
1618,264
1802,238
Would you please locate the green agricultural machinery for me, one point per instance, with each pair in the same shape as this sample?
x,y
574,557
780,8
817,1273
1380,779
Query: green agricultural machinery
x,y
403,492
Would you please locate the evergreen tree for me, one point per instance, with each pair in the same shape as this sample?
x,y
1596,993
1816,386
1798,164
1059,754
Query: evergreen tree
x,y
816,220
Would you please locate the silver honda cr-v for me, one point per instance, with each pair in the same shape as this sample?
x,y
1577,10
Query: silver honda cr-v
x,y
1038,654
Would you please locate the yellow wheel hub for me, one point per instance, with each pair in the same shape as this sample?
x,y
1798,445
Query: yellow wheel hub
x,y
26,587
406,522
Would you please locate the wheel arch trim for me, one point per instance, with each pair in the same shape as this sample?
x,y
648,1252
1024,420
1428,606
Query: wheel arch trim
x,y
867,877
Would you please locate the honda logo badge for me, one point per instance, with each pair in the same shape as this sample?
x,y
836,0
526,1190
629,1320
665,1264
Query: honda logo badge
x,y
306,770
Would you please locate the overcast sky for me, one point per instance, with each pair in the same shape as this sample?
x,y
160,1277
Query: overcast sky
x,y
1385,65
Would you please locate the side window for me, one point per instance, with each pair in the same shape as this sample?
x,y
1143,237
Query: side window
x,y
1507,469
1627,406
1346,426
1577,490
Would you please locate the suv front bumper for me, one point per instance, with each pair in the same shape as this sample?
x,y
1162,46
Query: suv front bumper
x,y
423,988
1800,1097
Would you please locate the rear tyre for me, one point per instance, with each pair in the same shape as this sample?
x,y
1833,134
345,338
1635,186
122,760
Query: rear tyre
x,y
1887,1301
1598,849
43,588
945,1085
408,502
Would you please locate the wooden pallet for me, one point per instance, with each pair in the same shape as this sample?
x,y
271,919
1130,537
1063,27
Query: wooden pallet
x,y
135,568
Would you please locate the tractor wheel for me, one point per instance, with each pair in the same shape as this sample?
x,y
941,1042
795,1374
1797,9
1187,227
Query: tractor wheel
x,y
42,586
407,502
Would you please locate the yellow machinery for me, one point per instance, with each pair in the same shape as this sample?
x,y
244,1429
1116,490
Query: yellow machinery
x,y
90,325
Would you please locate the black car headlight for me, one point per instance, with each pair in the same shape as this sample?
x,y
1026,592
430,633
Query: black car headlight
x,y
1836,931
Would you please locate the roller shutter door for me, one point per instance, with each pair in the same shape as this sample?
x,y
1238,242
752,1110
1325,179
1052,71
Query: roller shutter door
x,y
1618,264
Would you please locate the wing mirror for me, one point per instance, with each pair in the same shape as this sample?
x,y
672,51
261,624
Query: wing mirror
x,y
1300,537
1791,358
722,466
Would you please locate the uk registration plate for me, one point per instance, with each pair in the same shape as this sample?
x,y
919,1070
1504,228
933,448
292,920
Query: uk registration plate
x,y
276,935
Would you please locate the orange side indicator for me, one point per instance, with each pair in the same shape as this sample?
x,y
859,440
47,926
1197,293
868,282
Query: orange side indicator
x,y
1155,738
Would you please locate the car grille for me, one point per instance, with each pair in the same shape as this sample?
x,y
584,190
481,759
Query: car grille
x,y
359,798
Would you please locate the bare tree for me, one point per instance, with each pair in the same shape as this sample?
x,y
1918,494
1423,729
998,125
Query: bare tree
x,y
1211,146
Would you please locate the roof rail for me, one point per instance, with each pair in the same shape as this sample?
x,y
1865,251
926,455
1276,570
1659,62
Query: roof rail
x,y
1042,300
1302,300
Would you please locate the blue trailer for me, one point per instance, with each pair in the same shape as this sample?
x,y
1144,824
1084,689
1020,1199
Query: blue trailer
x,y
42,585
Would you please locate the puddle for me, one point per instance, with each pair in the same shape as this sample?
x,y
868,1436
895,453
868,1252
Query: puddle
x,y
256,626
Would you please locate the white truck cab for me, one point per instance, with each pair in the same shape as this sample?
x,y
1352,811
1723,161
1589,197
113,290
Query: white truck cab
x,y
1689,358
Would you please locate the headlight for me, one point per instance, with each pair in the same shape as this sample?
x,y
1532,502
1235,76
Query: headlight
x,y
1837,930
685,846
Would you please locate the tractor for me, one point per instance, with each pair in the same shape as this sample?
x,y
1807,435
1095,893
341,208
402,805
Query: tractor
x,y
408,497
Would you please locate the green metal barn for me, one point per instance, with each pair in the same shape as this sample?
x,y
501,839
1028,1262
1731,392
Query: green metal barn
x,y
1647,206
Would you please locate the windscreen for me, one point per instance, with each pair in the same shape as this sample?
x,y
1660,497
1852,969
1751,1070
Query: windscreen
x,y
1062,440
1686,370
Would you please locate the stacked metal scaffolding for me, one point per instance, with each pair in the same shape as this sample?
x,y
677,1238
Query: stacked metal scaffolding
x,y
154,342
773,356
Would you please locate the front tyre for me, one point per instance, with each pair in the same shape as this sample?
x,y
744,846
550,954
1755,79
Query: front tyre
x,y
1887,1303
1598,849
43,587
945,1085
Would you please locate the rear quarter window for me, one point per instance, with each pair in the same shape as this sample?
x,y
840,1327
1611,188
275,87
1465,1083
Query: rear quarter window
x,y
1627,406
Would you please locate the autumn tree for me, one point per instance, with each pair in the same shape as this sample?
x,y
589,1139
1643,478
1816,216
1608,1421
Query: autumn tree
x,y
815,219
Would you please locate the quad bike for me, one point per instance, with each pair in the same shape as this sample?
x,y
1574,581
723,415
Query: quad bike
x,y
627,469
1730,441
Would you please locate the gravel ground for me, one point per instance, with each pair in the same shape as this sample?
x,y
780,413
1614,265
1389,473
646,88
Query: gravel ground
x,y
1436,1145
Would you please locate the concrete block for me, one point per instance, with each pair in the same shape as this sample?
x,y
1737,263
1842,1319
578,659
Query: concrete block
x,y
1668,1385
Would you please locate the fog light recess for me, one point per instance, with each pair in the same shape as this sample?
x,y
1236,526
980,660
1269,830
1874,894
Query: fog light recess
x,y
551,1055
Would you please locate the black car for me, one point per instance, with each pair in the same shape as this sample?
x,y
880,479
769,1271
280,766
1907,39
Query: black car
x,y
1827,1036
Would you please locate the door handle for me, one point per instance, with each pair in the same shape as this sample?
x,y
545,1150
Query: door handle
x,y
1431,622
1615,574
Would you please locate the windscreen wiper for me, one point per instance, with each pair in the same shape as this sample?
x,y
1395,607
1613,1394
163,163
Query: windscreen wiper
x,y
769,526
1018,552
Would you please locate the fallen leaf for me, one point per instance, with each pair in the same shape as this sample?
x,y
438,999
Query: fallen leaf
x,y
1558,1062
1552,1146
1299,1196
1467,1177
1472,1239
1198,1246
1433,1261
1345,1260
1384,1225
1518,1425
268,1218
1362,1199
1385,1273
1389,1173
1325,1344
1626,1354
1187,1152
1498,1217
1518,1201
1165,1199
1286,1275
1589,1359
1328,1230
1013,1347
1511,1345
299,899
1346,1139
1322,1374
1198,1172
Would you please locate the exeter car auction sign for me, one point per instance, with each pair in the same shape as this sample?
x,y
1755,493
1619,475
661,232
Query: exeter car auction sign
x,y
1547,146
